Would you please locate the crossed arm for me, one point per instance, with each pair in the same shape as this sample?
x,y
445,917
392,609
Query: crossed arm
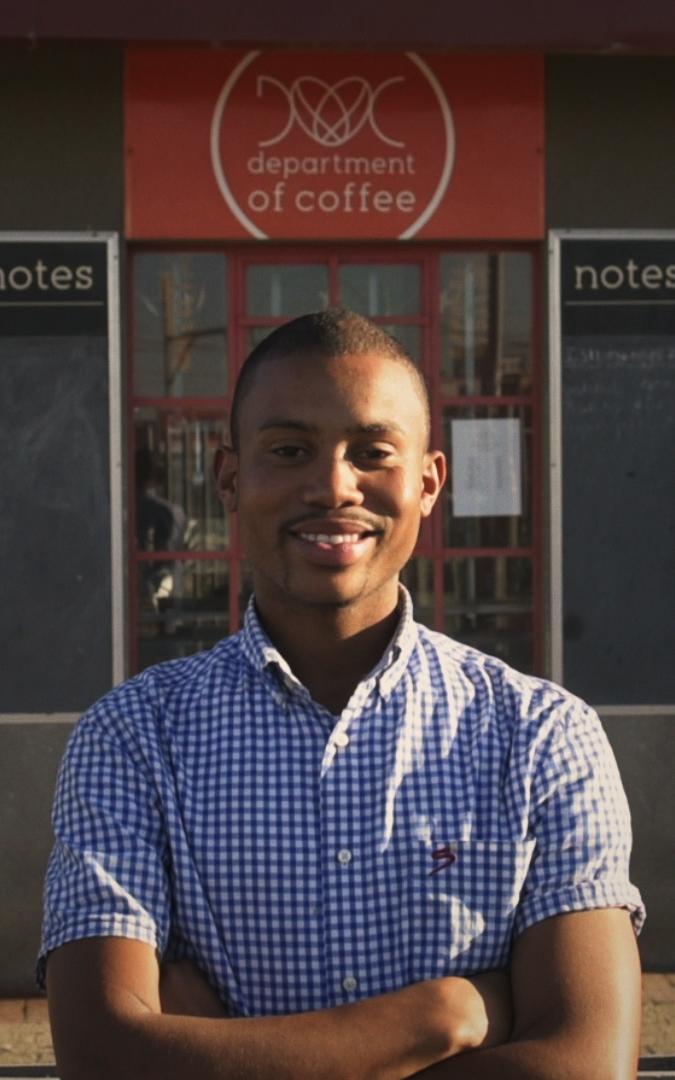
x,y
571,1011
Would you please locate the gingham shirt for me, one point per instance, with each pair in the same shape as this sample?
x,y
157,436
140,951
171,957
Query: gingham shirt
x,y
212,809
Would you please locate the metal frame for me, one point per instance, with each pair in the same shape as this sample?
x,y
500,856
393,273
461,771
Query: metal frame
x,y
556,509
117,570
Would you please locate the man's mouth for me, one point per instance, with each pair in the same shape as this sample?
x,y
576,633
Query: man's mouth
x,y
333,538
335,544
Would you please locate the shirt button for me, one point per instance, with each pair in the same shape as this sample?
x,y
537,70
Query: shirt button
x,y
344,856
341,738
349,983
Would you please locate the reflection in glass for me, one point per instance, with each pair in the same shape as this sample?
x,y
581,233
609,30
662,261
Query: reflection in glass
x,y
179,320
409,337
488,604
497,531
183,607
418,578
177,504
381,288
486,315
257,334
286,290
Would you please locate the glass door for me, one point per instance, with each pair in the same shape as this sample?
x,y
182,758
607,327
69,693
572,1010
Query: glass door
x,y
467,318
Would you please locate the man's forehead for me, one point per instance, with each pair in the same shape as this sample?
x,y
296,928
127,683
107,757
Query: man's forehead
x,y
311,387
373,370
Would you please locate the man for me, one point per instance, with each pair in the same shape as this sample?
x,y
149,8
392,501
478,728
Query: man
x,y
338,844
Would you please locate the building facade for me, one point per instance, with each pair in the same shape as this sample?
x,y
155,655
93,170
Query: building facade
x,y
167,201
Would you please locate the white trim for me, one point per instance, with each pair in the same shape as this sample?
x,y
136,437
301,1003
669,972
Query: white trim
x,y
8,719
555,462
17,236
216,163
117,597
635,710
613,234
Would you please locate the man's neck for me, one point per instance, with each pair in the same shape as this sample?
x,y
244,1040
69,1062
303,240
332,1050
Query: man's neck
x,y
329,650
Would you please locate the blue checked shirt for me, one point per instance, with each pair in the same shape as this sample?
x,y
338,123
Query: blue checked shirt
x,y
212,809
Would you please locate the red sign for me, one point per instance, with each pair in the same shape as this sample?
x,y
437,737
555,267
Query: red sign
x,y
330,145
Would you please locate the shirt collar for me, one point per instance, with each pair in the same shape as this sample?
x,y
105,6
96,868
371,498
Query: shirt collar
x,y
263,654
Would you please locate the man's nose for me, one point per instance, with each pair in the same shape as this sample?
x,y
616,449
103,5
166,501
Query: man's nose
x,y
333,481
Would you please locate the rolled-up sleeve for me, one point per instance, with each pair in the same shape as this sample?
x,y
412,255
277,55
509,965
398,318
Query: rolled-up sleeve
x,y
107,875
581,824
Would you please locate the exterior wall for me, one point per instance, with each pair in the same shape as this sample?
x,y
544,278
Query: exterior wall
x,y
610,164
61,130
29,757
610,151
62,168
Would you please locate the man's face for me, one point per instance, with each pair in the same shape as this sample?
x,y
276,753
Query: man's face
x,y
331,481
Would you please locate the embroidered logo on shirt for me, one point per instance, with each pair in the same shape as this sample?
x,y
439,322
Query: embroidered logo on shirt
x,y
446,856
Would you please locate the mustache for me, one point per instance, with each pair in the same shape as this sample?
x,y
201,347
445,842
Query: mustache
x,y
367,522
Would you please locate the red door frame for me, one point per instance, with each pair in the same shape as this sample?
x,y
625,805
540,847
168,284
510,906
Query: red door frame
x,y
239,322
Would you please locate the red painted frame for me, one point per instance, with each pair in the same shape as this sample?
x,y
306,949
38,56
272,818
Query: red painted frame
x,y
239,322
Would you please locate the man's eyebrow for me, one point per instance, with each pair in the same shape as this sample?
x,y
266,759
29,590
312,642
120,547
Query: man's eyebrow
x,y
384,427
286,422
375,428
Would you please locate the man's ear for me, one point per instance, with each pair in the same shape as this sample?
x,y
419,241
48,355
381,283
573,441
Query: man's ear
x,y
226,470
434,473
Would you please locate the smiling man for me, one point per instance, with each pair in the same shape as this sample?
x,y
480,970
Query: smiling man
x,y
339,844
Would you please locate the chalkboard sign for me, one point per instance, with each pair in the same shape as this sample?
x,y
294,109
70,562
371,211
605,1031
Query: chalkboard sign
x,y
60,618
613,419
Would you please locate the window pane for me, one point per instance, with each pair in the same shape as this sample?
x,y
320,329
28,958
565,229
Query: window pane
x,y
177,506
489,530
410,338
183,607
418,578
256,334
179,319
488,604
276,291
486,323
381,288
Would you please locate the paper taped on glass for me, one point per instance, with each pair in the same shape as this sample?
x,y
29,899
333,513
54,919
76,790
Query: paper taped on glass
x,y
486,468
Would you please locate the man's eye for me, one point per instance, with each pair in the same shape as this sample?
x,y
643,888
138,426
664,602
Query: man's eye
x,y
375,453
289,451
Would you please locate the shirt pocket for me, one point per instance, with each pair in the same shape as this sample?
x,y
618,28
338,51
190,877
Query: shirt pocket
x,y
462,914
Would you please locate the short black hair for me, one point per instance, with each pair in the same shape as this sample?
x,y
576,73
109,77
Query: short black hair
x,y
327,334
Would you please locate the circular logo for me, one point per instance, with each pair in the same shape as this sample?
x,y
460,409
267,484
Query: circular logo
x,y
332,146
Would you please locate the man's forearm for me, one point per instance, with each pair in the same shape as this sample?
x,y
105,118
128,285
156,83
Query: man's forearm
x,y
544,1058
392,1036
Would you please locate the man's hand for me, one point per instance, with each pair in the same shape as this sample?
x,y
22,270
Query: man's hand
x,y
474,1012
576,1005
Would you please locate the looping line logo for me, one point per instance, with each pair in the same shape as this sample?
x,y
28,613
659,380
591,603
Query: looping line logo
x,y
335,194
330,115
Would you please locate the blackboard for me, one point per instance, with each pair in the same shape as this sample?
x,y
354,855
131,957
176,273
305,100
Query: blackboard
x,y
617,409
56,615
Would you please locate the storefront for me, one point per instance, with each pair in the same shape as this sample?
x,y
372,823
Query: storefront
x,y
242,185
408,188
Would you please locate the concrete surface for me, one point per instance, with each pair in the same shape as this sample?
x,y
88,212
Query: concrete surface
x,y
25,1037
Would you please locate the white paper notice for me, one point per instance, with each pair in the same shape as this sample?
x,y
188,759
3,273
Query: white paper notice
x,y
486,468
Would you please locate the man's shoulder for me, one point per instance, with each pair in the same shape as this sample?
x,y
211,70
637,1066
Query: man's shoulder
x,y
491,683
157,695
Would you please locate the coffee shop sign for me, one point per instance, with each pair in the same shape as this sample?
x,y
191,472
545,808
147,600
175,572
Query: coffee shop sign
x,y
325,150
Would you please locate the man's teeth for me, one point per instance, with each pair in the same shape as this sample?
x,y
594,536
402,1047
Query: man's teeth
x,y
332,538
